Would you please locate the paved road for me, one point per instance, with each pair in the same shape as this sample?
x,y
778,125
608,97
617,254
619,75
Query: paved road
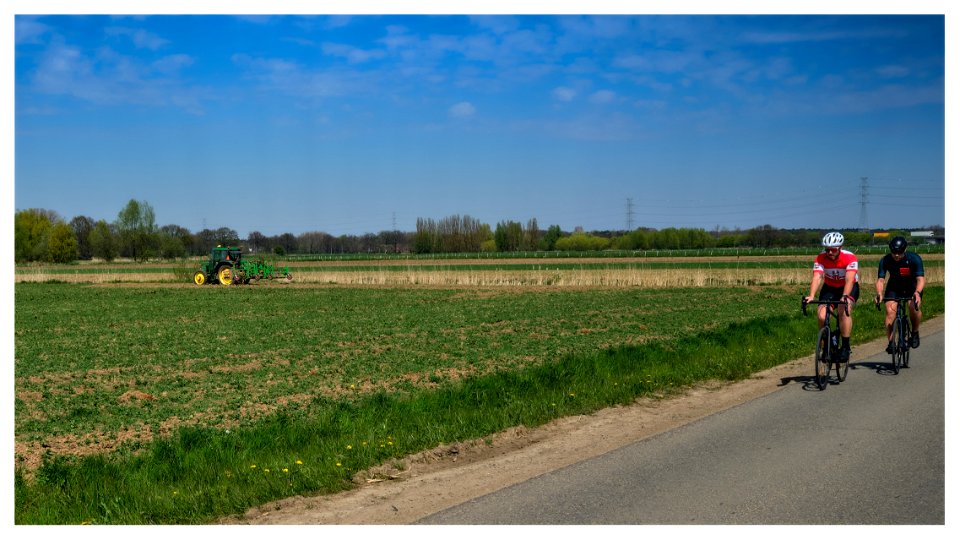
x,y
866,451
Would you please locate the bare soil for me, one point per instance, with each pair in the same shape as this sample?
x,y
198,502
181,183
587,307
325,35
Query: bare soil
x,y
431,481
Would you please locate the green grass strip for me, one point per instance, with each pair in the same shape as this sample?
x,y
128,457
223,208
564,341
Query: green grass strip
x,y
201,474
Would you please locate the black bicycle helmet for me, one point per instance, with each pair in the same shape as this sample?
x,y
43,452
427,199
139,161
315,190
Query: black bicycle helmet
x,y
898,244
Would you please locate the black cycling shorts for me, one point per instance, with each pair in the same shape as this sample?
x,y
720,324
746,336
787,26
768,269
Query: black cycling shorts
x,y
828,293
892,293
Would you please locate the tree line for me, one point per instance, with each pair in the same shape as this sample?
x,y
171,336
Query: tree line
x,y
42,235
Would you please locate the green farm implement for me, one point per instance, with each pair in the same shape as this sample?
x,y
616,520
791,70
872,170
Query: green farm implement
x,y
227,266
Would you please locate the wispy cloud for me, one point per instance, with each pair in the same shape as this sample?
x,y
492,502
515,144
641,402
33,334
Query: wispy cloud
x,y
353,55
290,78
30,31
562,93
662,61
894,96
893,71
498,24
139,37
610,127
653,63
173,63
464,109
814,35
113,79
602,97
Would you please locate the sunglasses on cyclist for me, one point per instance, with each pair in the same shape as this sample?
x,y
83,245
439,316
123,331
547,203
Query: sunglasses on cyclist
x,y
833,251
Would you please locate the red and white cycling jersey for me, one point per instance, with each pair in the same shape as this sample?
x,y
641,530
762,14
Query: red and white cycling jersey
x,y
835,271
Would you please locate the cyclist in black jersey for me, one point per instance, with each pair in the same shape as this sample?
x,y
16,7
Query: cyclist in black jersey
x,y
905,269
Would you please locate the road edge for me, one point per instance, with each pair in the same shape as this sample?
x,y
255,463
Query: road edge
x,y
431,481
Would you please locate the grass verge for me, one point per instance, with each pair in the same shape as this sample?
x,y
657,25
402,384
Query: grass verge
x,y
200,474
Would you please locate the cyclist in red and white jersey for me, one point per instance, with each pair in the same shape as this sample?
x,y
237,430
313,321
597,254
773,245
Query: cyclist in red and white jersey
x,y
837,270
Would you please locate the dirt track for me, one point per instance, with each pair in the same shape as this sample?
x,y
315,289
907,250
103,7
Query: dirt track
x,y
445,476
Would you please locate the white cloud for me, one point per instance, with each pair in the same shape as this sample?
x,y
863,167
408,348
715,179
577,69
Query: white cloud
x,y
140,38
462,110
113,79
290,78
172,63
893,72
562,93
352,54
29,31
498,24
601,97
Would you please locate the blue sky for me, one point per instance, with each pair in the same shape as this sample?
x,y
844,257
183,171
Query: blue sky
x,y
358,124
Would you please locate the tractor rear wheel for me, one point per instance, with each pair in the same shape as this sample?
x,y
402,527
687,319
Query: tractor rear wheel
x,y
199,278
225,275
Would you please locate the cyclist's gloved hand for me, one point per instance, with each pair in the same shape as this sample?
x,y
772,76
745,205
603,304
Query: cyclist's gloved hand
x,y
916,299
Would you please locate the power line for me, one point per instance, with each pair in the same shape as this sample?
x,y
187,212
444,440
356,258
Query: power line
x,y
629,214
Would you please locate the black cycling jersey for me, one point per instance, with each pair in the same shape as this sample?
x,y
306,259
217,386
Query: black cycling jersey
x,y
903,273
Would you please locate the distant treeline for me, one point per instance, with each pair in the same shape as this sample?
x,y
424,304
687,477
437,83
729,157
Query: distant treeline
x,y
42,235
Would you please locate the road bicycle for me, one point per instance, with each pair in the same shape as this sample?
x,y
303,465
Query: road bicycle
x,y
827,354
900,355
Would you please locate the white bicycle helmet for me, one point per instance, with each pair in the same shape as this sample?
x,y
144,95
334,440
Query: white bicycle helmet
x,y
832,239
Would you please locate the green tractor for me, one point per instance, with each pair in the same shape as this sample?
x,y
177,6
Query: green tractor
x,y
228,267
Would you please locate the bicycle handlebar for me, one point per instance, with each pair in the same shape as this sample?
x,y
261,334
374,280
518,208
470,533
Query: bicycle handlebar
x,y
804,303
897,299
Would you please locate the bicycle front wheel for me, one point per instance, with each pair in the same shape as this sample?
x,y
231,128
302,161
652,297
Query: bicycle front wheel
x,y
842,369
821,359
898,344
906,345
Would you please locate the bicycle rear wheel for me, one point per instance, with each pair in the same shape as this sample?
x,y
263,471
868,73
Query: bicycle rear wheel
x,y
821,359
897,346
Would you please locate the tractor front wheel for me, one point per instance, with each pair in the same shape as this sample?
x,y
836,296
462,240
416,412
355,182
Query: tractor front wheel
x,y
199,278
225,275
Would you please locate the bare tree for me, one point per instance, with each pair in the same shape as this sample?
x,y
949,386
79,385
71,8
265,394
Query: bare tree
x,y
256,241
82,226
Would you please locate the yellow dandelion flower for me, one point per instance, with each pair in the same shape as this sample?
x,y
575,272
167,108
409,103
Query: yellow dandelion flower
x,y
254,466
338,464
266,470
349,447
286,470
299,462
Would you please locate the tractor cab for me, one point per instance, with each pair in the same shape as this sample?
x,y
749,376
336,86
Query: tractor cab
x,y
225,254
